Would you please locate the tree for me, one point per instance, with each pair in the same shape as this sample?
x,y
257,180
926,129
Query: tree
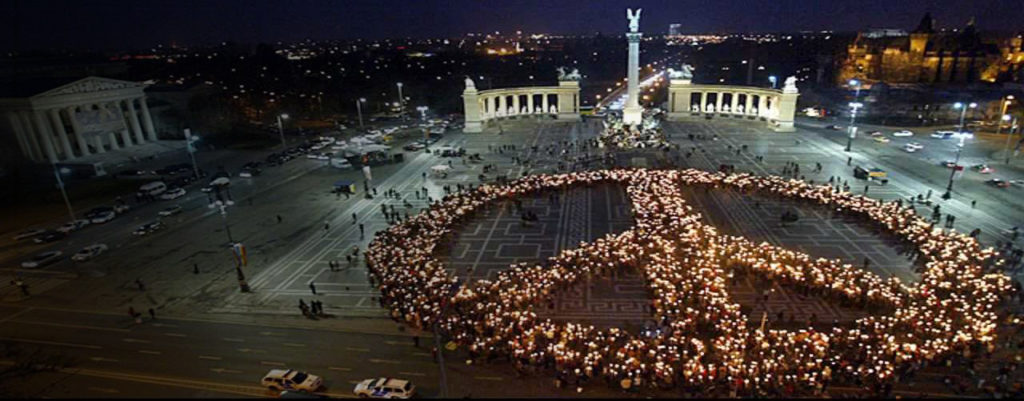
x,y
20,363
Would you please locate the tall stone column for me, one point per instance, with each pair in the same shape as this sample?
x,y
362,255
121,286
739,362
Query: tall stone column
x,y
19,134
133,120
762,108
43,130
735,103
749,108
719,99
62,134
499,106
32,135
97,142
703,102
76,128
515,103
632,113
544,104
113,141
147,121
529,103
472,110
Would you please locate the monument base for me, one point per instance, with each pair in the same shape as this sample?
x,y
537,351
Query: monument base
x,y
568,117
784,126
632,116
473,127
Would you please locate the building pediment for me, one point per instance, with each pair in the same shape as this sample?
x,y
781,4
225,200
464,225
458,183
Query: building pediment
x,y
88,85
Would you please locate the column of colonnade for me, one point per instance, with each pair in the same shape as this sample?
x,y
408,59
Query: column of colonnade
x,y
42,134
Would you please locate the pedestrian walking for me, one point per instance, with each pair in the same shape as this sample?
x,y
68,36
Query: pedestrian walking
x,y
152,314
353,217
327,226
973,203
312,287
361,231
278,219
416,341
849,160
195,268
142,287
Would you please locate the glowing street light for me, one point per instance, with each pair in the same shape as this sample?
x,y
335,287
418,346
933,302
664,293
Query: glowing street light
x,y
280,128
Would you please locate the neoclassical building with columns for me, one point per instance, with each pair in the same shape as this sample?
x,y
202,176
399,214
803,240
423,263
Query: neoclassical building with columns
x,y
561,102
776,107
81,122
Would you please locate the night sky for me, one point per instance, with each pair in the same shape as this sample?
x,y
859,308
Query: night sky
x,y
124,24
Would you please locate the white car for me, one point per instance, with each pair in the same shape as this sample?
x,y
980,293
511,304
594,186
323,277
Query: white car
x,y
42,259
281,379
173,193
89,252
28,234
903,133
913,147
170,211
104,217
72,226
245,174
384,387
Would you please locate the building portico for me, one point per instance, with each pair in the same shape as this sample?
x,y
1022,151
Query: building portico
x,y
76,120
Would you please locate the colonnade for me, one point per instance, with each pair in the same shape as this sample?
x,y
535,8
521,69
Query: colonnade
x,y
562,102
55,134
774,106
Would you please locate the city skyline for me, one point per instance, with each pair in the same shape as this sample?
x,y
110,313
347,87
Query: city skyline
x,y
119,25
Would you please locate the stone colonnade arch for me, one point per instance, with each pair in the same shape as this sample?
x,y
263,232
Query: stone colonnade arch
x,y
561,102
776,107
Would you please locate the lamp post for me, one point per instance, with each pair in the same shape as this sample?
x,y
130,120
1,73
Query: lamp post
x,y
423,112
280,128
243,285
963,113
956,167
191,151
359,109
1005,103
60,184
854,106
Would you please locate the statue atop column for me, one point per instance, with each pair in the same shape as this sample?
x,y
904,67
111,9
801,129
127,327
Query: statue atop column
x,y
571,76
790,85
469,83
634,19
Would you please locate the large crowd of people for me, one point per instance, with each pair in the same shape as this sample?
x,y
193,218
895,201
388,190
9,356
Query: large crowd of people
x,y
703,340
619,135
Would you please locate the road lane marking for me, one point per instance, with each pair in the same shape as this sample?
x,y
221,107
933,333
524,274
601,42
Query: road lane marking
x,y
102,359
271,363
104,390
73,326
25,340
270,333
223,370
135,340
234,340
211,358
163,325
491,378
175,335
393,342
358,349
341,369
412,374
248,350
421,354
146,351
389,361
293,345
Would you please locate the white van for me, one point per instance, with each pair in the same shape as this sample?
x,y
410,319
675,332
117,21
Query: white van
x,y
153,189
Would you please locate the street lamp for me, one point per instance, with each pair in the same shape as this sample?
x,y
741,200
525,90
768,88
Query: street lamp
x,y
359,109
280,128
189,140
963,113
956,167
854,106
1009,134
60,184
423,112
223,206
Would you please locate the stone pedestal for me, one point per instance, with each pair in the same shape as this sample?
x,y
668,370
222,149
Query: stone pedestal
x,y
786,111
569,103
471,107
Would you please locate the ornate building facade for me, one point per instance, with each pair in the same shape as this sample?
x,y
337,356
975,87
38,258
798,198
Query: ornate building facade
x,y
928,56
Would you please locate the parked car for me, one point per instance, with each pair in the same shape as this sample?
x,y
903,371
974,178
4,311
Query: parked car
x,y
49,236
903,133
42,259
876,133
282,379
834,127
998,183
103,217
882,139
89,252
173,193
948,164
121,208
250,172
28,234
914,145
384,387
72,226
148,228
414,146
983,169
942,134
170,211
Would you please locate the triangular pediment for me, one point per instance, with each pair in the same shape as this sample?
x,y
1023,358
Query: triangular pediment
x,y
89,85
